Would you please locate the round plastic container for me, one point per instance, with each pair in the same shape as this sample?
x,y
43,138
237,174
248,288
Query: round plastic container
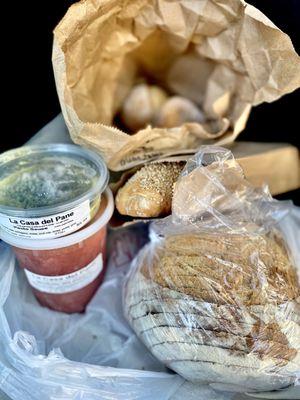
x,y
64,273
49,191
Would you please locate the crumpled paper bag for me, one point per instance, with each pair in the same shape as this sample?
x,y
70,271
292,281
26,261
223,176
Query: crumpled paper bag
x,y
223,54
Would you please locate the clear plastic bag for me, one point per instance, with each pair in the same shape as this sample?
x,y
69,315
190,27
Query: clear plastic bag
x,y
215,294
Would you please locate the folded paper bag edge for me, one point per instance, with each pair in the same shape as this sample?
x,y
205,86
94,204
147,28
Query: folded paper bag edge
x,y
72,26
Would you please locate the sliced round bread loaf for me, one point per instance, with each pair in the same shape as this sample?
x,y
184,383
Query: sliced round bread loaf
x,y
219,308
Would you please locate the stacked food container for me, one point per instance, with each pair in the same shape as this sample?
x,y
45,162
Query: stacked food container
x,y
54,210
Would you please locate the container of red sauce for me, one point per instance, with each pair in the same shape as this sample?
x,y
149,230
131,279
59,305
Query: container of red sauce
x,y
65,272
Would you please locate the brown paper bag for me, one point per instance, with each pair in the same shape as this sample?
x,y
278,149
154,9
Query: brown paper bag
x,y
223,54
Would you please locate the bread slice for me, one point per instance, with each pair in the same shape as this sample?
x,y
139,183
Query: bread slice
x,y
249,378
190,321
144,296
162,331
169,352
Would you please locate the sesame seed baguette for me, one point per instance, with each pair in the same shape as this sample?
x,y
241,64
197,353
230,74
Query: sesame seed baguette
x,y
148,193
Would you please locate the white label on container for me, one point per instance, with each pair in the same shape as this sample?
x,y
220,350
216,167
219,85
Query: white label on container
x,y
66,283
49,227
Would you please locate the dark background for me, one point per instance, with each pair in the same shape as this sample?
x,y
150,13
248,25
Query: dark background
x,y
32,100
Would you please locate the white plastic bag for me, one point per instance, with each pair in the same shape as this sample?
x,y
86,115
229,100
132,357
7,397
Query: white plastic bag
x,y
49,355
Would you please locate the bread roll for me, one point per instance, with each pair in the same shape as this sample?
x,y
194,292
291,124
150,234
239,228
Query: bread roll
x,y
142,105
148,193
219,307
178,110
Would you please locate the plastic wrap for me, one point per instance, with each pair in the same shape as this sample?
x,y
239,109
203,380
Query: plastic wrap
x,y
215,294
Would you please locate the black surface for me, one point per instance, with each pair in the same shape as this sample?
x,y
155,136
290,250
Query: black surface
x,y
31,99
293,195
278,121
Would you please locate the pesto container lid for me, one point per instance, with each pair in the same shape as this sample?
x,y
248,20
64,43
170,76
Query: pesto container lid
x,y
49,191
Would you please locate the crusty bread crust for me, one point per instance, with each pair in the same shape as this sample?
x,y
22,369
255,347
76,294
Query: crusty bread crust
x,y
226,269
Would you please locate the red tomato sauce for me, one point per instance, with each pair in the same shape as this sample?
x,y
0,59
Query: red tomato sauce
x,y
64,261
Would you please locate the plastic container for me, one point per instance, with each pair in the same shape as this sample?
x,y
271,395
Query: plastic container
x,y
64,273
49,191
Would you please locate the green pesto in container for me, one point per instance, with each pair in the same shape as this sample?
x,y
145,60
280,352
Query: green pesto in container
x,y
49,191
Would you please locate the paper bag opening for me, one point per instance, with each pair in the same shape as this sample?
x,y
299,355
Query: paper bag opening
x,y
225,56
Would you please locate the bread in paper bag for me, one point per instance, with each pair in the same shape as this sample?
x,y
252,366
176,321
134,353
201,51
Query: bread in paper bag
x,y
142,106
224,56
148,192
215,294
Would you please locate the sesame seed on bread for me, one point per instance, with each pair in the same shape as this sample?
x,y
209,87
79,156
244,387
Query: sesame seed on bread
x,y
148,193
